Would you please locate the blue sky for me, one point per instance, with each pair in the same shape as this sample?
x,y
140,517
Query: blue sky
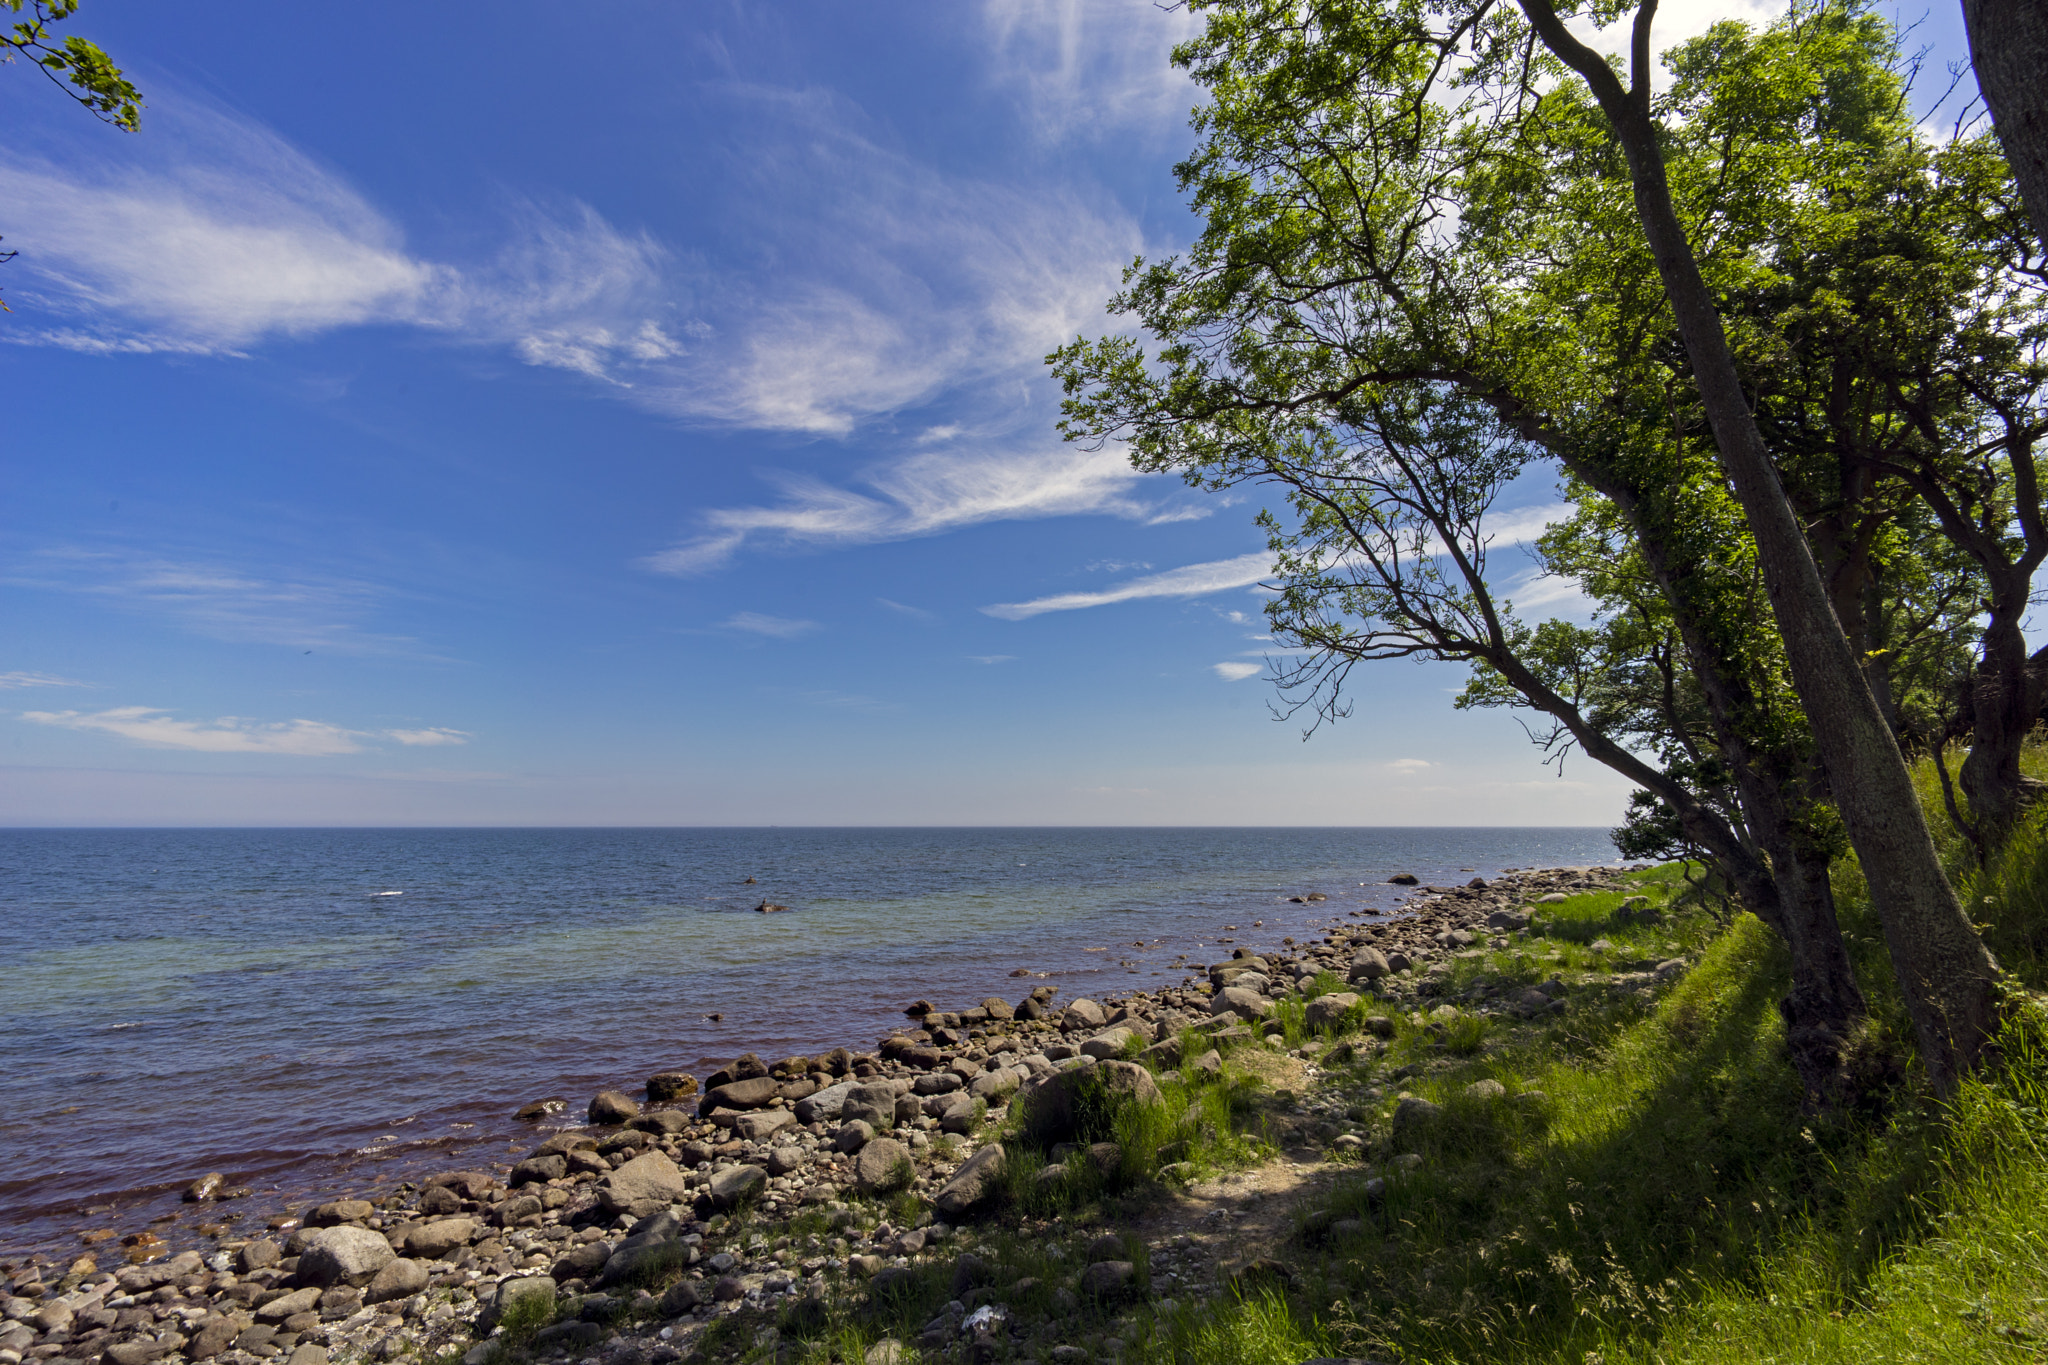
x,y
635,414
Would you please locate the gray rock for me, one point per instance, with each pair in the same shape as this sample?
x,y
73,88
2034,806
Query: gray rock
x,y
1486,1090
1209,1063
1410,1113
994,1086
611,1106
291,1304
853,1136
258,1254
1328,1011
762,1124
511,1292
1369,964
1245,1004
1108,1043
936,1083
1554,898
736,1184
1163,1055
209,1341
399,1279
1109,1280
976,1179
645,1185
883,1165
887,1351
433,1241
570,1335
1052,1103
1084,1013
892,1279
682,1296
308,1353
750,1094
538,1170
344,1255
824,1106
668,1122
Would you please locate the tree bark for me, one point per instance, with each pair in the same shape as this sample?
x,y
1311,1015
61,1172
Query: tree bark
x,y
1945,972
2009,51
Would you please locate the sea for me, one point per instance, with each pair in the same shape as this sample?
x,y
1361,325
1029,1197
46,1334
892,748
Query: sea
x,y
318,1012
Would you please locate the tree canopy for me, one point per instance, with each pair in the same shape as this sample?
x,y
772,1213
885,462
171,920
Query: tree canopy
x,y
1433,260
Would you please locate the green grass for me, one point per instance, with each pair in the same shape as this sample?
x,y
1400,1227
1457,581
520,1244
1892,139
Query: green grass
x,y
1663,1197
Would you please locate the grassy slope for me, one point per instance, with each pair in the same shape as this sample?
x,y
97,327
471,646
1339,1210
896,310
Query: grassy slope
x,y
1665,1200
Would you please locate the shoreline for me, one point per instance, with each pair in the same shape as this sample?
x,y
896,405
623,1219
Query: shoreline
x,y
764,1140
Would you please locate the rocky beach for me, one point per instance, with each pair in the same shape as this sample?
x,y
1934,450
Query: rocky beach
x,y
749,1210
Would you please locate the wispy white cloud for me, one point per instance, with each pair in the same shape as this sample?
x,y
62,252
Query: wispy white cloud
x,y
775,627
215,235
431,737
10,681
904,609
992,658
1195,580
1235,672
220,601
155,727
923,494
1091,68
1407,766
1512,528
905,280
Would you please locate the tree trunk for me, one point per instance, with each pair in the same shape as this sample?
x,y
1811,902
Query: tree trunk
x,y
1825,1006
1945,973
2009,50
2004,700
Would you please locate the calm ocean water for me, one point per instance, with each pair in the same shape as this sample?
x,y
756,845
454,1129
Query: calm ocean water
x,y
258,1002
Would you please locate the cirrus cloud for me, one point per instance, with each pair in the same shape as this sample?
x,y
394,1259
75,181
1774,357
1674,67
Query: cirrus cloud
x,y
154,726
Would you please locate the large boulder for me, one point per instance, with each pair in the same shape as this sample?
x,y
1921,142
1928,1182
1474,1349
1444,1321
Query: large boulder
x,y
1237,1000
1328,1011
976,1179
344,1255
882,1166
643,1186
824,1106
874,1101
1059,1105
400,1279
736,1184
666,1086
1084,1013
1368,964
538,1170
511,1292
747,1094
611,1106
1108,1043
433,1241
762,1124
992,1086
